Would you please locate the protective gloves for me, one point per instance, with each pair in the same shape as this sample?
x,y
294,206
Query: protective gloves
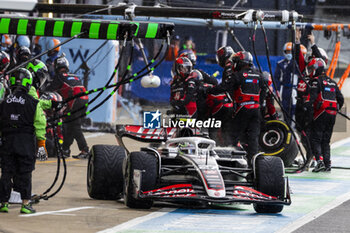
x,y
42,152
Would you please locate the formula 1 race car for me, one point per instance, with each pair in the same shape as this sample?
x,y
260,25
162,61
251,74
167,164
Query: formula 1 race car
x,y
184,169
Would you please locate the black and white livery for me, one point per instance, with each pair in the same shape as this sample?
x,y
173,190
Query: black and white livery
x,y
184,168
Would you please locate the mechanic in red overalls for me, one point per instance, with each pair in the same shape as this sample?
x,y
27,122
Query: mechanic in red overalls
x,y
246,86
68,85
327,100
184,88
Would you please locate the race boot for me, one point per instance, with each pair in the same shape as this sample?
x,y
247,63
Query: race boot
x,y
319,166
82,155
27,209
328,167
66,153
4,208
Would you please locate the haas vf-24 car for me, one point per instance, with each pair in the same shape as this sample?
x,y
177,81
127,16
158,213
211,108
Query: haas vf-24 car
x,y
186,170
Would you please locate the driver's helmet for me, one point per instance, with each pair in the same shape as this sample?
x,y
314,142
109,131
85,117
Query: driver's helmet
x,y
186,148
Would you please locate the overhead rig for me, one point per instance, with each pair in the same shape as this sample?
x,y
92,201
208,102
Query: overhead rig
x,y
182,12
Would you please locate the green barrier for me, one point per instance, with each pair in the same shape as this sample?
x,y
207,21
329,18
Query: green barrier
x,y
95,29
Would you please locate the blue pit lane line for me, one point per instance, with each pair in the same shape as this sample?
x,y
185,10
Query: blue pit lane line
x,y
310,192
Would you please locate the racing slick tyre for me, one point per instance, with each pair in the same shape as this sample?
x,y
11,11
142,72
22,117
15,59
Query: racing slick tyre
x,y
276,139
269,172
146,164
105,172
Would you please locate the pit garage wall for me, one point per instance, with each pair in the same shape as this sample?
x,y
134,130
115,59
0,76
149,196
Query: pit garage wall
x,y
101,67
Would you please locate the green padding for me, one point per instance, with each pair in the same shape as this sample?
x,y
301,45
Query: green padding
x,y
4,25
152,30
137,29
76,28
22,27
58,28
94,30
40,27
112,31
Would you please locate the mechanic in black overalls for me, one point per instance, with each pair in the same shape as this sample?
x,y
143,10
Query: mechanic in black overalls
x,y
68,85
184,88
22,119
205,81
327,100
219,105
247,89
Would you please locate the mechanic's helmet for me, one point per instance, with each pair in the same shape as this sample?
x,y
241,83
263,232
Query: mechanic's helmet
x,y
6,42
4,61
22,41
315,67
61,62
222,54
23,54
21,78
287,50
51,95
191,56
39,72
267,78
183,66
38,45
242,59
303,50
51,44
324,55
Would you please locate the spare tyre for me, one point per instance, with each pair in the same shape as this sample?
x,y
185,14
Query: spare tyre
x,y
105,172
276,139
269,172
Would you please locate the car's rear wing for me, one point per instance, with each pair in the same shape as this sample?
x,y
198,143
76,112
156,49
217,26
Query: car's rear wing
x,y
158,135
142,134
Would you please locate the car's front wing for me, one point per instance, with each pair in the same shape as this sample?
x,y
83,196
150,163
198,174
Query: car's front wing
x,y
241,194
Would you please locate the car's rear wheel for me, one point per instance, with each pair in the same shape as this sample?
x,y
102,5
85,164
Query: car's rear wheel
x,y
142,166
269,172
105,173
276,139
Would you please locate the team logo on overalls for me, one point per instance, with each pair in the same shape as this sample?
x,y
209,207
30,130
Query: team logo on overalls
x,y
151,120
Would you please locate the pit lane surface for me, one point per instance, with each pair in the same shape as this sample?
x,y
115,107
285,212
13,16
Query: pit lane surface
x,y
73,211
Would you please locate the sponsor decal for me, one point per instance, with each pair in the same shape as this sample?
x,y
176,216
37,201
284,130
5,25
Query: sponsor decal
x,y
15,117
14,99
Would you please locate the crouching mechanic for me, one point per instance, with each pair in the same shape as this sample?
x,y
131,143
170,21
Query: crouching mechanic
x,y
327,100
21,120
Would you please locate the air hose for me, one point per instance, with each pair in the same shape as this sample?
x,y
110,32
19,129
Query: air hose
x,y
273,94
54,124
130,79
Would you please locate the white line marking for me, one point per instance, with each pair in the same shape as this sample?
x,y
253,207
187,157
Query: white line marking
x,y
315,214
340,143
57,211
94,135
137,221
